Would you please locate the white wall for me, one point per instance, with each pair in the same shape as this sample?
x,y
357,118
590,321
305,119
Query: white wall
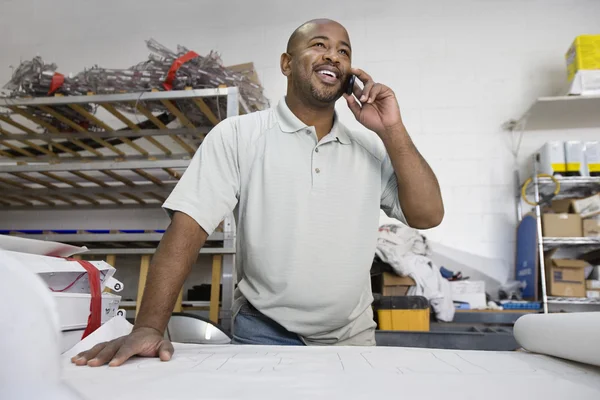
x,y
460,69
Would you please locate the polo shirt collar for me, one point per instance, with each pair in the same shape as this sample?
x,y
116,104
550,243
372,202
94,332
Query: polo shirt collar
x,y
289,123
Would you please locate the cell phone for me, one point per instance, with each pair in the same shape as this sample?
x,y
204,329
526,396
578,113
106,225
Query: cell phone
x,y
350,84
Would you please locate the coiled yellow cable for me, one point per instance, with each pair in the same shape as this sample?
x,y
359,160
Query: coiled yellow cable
x,y
530,180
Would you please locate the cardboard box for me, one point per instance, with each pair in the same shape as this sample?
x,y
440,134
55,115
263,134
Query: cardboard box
x,y
587,207
592,284
395,285
584,54
591,227
585,83
592,294
562,206
561,225
470,292
565,277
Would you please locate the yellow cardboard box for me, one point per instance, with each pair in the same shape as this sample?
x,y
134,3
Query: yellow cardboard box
x,y
584,53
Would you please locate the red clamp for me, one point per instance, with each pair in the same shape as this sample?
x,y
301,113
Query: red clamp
x,y
168,83
56,83
95,317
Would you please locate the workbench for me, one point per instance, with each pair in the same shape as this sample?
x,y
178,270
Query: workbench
x,y
269,372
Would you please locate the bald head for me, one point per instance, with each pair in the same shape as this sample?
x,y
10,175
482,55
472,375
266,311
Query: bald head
x,y
317,62
306,28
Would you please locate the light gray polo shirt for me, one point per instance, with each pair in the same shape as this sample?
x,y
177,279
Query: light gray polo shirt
x,y
307,214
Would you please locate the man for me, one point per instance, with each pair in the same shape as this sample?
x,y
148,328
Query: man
x,y
308,194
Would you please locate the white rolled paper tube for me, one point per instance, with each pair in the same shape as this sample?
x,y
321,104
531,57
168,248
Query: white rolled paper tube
x,y
29,337
572,336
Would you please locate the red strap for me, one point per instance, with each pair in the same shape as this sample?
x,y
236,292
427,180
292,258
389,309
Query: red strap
x,y
168,83
95,318
56,83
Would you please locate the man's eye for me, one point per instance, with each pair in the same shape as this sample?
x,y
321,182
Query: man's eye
x,y
344,52
319,44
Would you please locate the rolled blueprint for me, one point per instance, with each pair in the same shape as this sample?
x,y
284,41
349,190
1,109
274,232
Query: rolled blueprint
x,y
572,336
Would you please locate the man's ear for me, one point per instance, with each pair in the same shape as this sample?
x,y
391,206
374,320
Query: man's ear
x,y
285,64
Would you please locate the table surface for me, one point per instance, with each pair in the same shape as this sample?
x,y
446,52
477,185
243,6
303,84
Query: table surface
x,y
271,372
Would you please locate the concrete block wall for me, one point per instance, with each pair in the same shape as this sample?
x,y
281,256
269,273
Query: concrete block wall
x,y
460,69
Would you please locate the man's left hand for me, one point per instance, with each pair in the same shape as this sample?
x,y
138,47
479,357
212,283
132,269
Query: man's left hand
x,y
378,109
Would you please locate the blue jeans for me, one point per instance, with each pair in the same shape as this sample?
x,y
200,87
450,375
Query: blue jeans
x,y
253,327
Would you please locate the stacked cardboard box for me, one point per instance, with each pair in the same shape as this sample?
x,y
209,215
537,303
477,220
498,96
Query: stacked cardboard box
x,y
592,288
395,285
565,277
572,218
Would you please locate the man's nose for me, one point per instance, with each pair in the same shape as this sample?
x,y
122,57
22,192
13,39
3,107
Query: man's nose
x,y
332,56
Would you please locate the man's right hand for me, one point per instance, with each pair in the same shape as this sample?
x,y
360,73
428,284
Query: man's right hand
x,y
145,342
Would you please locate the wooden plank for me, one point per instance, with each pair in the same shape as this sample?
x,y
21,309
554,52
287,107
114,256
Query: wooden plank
x,y
110,260
206,111
60,179
17,149
173,173
175,111
64,199
158,123
42,137
133,197
118,177
146,113
16,200
5,154
32,179
54,129
30,144
34,119
17,125
13,183
215,289
4,203
178,307
110,198
79,128
149,177
134,127
89,178
109,107
144,266
25,129
41,200
98,122
157,196
86,198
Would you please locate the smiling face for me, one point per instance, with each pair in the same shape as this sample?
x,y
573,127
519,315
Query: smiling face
x,y
317,62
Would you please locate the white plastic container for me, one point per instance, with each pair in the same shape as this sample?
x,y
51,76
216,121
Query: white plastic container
x,y
552,158
74,309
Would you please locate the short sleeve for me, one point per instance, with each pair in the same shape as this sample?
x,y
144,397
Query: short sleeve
x,y
209,188
390,203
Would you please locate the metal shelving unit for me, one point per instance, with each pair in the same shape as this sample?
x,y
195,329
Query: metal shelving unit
x,y
569,187
67,153
126,243
125,150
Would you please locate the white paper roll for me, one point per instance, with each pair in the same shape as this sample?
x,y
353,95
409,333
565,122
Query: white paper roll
x,y
29,338
572,336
